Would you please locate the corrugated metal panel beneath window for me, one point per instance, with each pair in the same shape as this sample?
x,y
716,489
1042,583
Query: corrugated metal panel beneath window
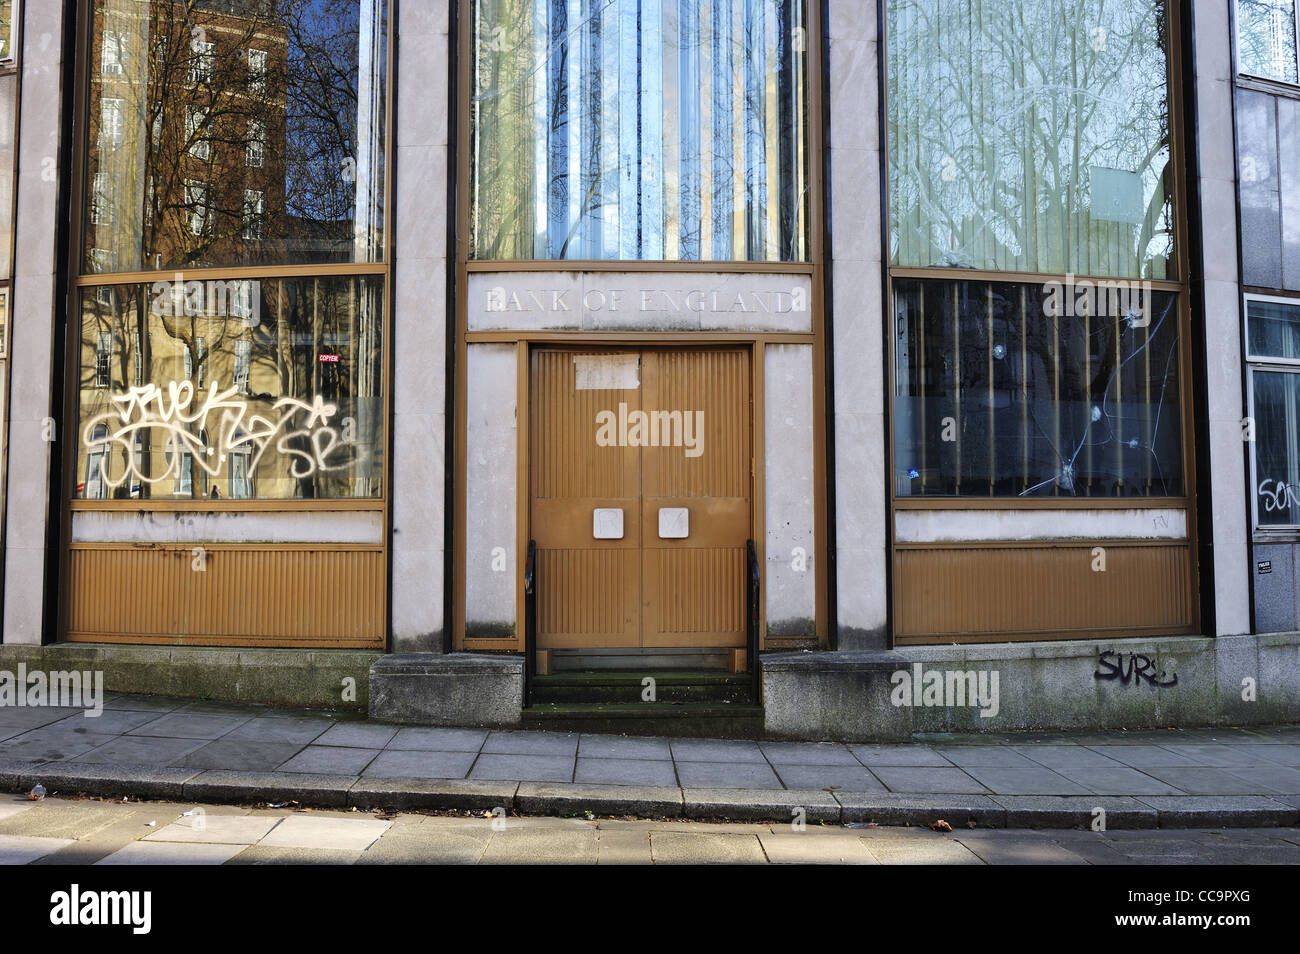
x,y
997,593
228,595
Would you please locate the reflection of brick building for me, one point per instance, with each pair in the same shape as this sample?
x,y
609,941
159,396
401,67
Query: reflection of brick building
x,y
187,159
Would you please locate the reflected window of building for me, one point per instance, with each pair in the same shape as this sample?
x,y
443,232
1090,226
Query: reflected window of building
x,y
254,212
196,134
110,123
255,155
674,130
113,51
202,55
1266,39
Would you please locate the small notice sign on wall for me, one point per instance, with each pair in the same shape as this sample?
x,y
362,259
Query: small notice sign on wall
x,y
606,372
1264,566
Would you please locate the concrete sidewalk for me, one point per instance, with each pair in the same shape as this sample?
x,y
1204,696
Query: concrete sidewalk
x,y
149,747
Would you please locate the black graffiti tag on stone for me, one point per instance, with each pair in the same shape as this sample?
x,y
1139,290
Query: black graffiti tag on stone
x,y
1140,669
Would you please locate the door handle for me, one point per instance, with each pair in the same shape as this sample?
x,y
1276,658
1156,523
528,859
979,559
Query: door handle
x,y
674,523
607,523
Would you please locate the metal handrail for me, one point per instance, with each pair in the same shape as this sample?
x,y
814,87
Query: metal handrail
x,y
530,621
753,582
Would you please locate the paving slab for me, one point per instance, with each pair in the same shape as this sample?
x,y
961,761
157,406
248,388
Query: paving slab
x,y
760,805
1119,781
1066,756
1203,780
532,743
330,760
1017,848
140,750
623,848
1283,754
679,848
111,721
845,778
625,772
1279,779
642,800
727,775
121,700
540,846
984,756
921,848
11,806
524,768
907,756
172,853
808,753
324,831
716,750
422,843
928,781
1036,780
239,755
439,740
210,829
392,763
191,725
301,730
361,735
623,747
51,749
1144,756
1217,755
24,849
798,848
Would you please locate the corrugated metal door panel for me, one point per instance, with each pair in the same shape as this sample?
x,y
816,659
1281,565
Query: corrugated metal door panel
x,y
242,596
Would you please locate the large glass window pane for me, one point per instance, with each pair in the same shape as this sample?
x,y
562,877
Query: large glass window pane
x,y
1030,137
1014,390
267,389
640,130
193,105
1277,447
1266,39
1273,329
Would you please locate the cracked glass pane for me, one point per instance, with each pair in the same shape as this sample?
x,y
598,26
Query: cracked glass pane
x,y
1015,390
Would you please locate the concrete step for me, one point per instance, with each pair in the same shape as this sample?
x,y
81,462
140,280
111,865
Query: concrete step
x,y
685,719
630,688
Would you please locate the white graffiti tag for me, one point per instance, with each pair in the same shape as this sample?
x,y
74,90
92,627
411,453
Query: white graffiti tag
x,y
213,428
1277,495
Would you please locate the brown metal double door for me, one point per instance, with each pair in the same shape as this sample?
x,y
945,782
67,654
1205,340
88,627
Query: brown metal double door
x,y
659,441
